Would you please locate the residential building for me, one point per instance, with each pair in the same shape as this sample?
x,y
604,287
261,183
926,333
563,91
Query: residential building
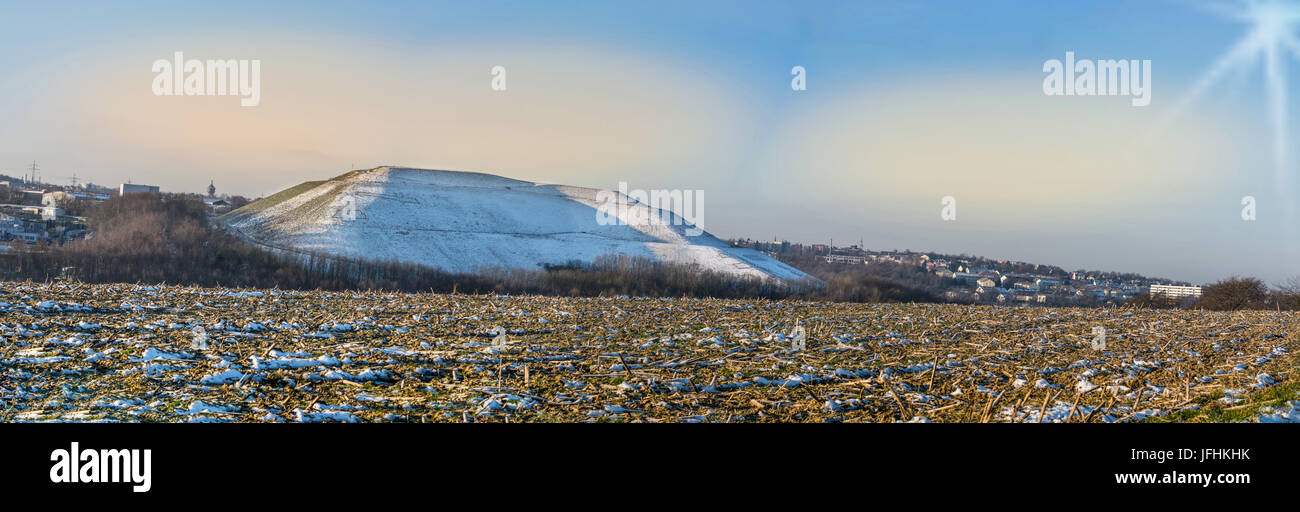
x,y
1175,292
216,204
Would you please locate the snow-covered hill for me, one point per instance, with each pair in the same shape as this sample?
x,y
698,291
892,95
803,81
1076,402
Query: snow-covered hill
x,y
463,221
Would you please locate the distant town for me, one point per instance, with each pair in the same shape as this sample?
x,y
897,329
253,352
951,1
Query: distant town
x,y
34,211
972,279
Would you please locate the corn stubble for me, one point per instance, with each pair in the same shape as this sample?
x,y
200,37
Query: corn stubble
x,y
77,352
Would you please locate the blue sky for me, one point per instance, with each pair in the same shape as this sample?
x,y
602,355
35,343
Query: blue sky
x,y
907,102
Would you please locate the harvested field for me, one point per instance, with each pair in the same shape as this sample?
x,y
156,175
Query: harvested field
x,y
76,352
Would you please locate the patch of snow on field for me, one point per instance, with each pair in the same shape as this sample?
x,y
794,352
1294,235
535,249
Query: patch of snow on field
x,y
227,377
291,362
1288,414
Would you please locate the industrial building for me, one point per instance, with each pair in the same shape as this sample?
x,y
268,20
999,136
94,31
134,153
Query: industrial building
x,y
129,188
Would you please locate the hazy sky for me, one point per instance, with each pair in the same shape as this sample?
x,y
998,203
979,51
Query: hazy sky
x,y
907,102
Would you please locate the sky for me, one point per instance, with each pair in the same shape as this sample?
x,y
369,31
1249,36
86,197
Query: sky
x,y
907,102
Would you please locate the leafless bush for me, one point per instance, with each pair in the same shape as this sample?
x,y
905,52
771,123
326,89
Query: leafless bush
x,y
1235,293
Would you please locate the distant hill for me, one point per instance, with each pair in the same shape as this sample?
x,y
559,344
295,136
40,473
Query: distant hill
x,y
466,221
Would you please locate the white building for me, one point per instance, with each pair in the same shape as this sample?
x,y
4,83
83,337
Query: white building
x,y
845,258
1175,292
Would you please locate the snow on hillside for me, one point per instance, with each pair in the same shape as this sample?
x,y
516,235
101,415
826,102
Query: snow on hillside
x,y
462,221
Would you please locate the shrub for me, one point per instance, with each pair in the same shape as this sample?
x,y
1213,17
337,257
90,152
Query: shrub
x,y
1235,293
